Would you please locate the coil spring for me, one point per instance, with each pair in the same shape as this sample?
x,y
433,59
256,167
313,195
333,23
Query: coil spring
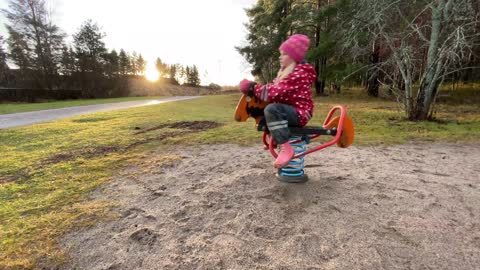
x,y
295,167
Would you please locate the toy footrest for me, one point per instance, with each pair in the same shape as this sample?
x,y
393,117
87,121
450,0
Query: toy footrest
x,y
303,130
312,131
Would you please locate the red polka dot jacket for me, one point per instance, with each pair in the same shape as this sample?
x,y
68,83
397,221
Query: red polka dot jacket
x,y
294,90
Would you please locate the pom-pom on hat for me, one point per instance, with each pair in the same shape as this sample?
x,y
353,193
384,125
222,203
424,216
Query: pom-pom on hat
x,y
296,47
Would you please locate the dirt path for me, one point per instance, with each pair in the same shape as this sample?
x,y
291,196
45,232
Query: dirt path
x,y
221,207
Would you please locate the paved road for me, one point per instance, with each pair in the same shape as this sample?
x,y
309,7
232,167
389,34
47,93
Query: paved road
x,y
26,118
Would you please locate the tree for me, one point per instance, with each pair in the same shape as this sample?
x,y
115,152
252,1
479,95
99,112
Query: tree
x,y
267,29
173,72
141,64
90,50
161,67
112,64
89,47
20,53
193,77
181,74
35,42
114,60
133,63
373,81
3,62
321,20
186,73
271,22
427,41
124,62
67,63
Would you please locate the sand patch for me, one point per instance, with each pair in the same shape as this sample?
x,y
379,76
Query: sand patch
x,y
221,207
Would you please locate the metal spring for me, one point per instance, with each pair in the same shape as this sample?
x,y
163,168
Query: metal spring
x,y
295,167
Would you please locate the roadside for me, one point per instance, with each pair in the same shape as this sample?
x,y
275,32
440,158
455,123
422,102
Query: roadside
x,y
26,118
7,107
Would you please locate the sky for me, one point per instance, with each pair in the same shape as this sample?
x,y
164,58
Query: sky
x,y
189,32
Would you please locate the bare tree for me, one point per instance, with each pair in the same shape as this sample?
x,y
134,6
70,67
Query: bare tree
x,y
426,40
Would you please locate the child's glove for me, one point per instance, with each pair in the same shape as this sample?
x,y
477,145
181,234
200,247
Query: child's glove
x,y
245,86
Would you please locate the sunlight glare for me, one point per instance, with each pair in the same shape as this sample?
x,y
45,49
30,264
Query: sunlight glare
x,y
152,74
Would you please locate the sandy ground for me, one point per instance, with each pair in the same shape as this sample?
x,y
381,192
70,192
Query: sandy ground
x,y
221,207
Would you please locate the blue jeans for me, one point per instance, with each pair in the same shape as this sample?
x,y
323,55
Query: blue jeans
x,y
278,117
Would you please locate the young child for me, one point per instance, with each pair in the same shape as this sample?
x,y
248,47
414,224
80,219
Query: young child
x,y
289,95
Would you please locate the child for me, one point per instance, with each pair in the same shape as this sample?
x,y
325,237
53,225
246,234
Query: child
x,y
289,95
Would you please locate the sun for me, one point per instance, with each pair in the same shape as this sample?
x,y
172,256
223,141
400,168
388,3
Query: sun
x,y
152,74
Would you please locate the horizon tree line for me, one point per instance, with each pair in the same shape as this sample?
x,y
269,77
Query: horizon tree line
x,y
38,48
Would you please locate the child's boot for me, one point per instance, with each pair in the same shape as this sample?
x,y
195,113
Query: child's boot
x,y
285,154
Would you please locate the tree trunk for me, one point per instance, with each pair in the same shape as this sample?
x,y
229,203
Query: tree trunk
x,y
319,82
466,75
428,87
373,82
318,87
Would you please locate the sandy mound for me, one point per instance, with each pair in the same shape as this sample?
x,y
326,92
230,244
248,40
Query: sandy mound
x,y
221,207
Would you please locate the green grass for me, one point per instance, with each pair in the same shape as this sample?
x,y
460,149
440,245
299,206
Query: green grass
x,y
47,170
17,107
458,94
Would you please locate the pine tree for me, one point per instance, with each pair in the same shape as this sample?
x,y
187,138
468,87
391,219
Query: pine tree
x,y
89,48
194,76
20,53
112,64
114,61
124,62
268,27
133,63
187,74
67,64
182,74
173,71
141,64
90,53
161,67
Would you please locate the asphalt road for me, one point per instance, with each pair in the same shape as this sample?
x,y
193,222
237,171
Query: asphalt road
x,y
27,118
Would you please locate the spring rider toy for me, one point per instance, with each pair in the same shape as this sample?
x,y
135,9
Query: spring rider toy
x,y
340,127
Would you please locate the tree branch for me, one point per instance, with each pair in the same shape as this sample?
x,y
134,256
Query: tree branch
x,y
459,69
412,24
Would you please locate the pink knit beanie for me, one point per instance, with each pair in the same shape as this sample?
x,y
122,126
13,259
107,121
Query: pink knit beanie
x,y
296,47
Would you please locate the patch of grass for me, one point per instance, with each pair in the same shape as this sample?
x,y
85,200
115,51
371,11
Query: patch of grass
x,y
47,170
17,107
459,94
381,121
